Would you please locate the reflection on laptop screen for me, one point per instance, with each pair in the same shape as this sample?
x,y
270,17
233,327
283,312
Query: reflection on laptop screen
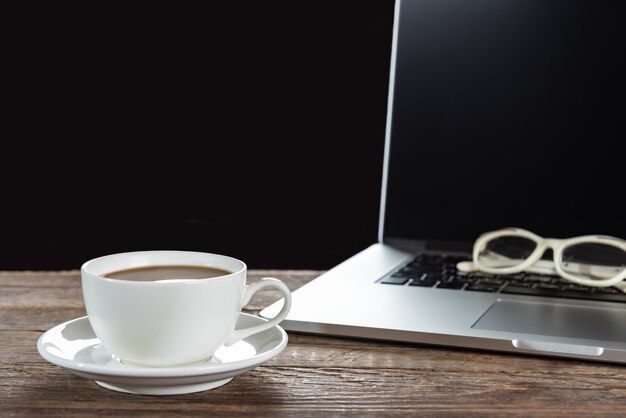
x,y
507,113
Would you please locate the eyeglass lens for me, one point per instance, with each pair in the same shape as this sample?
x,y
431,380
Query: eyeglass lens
x,y
593,260
506,251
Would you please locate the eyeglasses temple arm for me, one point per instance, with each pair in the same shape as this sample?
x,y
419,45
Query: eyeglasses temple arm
x,y
466,266
547,268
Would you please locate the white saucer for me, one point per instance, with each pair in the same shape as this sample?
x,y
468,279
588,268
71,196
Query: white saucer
x,y
74,346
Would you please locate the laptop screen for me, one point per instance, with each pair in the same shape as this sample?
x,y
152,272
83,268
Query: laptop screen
x,y
506,113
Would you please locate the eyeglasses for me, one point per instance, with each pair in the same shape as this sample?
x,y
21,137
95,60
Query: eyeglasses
x,y
591,260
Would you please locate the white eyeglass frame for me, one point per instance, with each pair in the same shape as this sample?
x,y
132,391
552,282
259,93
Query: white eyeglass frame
x,y
534,263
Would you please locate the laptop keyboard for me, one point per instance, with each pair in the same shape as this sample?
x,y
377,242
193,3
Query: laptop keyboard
x,y
428,270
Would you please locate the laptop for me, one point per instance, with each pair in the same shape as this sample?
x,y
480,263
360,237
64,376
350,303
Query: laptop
x,y
500,114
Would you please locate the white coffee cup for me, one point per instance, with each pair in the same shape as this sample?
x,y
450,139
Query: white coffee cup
x,y
170,322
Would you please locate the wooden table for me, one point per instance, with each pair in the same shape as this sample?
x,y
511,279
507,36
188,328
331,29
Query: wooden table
x,y
314,376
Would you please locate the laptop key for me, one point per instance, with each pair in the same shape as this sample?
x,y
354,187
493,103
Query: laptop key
x,y
539,278
492,281
394,280
416,270
465,279
549,286
577,288
451,284
520,283
402,273
425,281
611,290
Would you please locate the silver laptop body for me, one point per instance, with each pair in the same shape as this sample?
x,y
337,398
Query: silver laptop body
x,y
477,40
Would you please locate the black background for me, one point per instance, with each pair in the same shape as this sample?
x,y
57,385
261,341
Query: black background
x,y
250,129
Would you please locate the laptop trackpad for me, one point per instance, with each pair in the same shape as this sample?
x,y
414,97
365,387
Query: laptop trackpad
x,y
555,320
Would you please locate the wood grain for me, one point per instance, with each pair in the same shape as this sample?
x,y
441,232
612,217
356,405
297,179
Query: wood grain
x,y
314,376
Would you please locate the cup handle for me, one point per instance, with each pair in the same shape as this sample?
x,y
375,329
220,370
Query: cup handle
x,y
251,290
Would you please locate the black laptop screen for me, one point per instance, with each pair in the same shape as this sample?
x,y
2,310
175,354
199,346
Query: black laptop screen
x,y
507,113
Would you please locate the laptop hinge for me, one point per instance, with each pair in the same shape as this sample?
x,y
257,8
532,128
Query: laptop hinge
x,y
417,246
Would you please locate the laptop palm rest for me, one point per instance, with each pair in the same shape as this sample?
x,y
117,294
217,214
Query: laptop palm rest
x,y
562,320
